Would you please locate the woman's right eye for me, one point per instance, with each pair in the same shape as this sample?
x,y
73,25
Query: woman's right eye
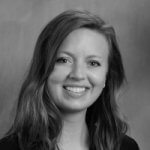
x,y
61,60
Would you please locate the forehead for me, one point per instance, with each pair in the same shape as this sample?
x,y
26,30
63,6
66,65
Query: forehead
x,y
85,41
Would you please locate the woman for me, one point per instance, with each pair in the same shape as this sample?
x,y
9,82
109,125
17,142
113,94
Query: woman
x,y
67,101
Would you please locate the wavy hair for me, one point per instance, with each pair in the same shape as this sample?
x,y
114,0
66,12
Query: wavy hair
x,y
38,120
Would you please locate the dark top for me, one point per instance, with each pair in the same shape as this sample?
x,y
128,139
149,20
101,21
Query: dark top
x,y
11,143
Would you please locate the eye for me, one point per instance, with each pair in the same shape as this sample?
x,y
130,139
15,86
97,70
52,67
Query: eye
x,y
94,63
61,60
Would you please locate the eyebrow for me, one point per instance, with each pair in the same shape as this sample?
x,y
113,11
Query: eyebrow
x,y
94,56
90,56
65,53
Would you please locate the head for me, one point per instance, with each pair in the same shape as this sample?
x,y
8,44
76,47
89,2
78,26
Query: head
x,y
35,91
53,35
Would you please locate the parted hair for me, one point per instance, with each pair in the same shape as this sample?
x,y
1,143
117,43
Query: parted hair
x,y
38,121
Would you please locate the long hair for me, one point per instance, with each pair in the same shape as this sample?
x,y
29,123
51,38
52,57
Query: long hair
x,y
38,120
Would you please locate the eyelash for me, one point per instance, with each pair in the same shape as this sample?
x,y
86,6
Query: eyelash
x,y
61,60
94,63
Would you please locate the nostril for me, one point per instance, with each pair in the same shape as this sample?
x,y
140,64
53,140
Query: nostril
x,y
76,75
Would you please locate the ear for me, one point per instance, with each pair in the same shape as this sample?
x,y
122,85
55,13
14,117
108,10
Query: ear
x,y
104,86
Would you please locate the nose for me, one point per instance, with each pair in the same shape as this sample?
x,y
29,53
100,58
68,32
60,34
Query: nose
x,y
77,72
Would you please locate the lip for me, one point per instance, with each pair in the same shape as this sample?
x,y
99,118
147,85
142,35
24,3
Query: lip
x,y
77,86
75,94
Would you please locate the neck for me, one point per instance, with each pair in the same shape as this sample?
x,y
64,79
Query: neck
x,y
74,133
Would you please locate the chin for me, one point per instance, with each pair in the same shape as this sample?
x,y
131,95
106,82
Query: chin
x,y
74,107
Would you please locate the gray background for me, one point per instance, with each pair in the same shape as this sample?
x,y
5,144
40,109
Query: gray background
x,y
21,22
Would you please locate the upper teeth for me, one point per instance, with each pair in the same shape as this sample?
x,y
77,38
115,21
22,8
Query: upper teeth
x,y
76,89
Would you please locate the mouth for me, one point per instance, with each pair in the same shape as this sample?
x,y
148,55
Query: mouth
x,y
75,91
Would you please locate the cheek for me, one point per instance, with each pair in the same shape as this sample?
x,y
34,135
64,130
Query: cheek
x,y
98,78
58,75
55,82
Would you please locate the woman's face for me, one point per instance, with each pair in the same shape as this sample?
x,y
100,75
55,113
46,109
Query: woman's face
x,y
80,70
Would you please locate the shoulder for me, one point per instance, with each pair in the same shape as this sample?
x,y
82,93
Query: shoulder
x,y
128,143
9,143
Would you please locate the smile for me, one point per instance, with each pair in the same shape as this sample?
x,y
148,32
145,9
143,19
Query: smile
x,y
75,89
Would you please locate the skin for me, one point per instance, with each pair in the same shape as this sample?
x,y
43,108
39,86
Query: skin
x,y
82,62
77,81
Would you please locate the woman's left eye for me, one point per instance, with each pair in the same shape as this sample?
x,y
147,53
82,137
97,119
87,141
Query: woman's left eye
x,y
94,63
